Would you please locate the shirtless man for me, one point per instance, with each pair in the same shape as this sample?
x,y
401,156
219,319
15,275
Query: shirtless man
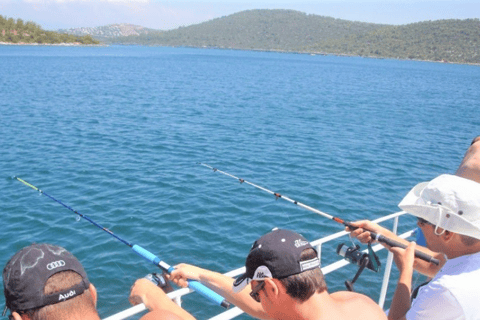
x,y
283,281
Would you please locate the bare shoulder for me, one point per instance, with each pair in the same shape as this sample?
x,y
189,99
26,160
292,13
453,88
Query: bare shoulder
x,y
360,305
160,314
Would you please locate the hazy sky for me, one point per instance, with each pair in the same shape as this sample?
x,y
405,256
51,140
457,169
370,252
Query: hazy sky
x,y
170,14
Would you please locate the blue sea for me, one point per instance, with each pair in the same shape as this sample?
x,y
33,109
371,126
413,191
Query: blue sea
x,y
117,133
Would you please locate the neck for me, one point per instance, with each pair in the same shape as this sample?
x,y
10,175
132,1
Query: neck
x,y
307,310
456,248
91,316
465,251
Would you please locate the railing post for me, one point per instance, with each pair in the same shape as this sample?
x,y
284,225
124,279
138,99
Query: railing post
x,y
178,300
319,252
388,270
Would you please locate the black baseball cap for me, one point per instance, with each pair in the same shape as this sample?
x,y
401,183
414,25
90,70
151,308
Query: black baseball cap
x,y
25,276
276,255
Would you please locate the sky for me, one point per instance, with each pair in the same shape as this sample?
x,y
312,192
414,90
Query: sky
x,y
171,14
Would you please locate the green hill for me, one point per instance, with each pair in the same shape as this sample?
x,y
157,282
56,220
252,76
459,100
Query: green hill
x,y
17,31
285,30
282,30
442,40
292,31
104,33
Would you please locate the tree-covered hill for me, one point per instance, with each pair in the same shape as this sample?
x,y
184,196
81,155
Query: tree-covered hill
x,y
18,31
442,40
293,31
110,31
285,30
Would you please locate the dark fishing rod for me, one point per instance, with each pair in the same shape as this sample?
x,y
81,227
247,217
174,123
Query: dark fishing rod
x,y
374,235
195,285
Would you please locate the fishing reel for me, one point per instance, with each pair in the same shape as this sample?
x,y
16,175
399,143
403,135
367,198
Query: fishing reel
x,y
160,280
362,259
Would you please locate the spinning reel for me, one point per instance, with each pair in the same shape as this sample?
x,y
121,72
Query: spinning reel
x,y
362,259
160,280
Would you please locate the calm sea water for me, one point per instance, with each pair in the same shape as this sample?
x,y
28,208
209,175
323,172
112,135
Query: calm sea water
x,y
116,133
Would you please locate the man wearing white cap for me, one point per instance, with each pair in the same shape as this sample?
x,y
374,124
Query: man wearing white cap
x,y
448,213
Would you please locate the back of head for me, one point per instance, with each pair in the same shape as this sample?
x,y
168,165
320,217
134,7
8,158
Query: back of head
x,y
470,166
303,285
79,307
284,254
46,282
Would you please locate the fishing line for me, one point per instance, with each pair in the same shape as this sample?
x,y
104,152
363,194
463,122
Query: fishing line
x,y
195,285
374,235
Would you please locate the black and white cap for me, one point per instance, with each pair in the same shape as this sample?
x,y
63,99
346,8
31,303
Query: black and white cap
x,y
25,275
276,255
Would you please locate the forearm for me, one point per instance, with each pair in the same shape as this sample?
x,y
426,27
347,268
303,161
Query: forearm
x,y
401,298
427,268
155,299
164,303
222,284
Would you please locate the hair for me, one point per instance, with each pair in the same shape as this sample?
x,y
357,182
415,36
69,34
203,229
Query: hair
x,y
81,305
303,285
469,241
477,138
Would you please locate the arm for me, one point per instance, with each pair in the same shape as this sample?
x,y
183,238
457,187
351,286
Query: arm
x,y
401,299
156,300
221,284
363,234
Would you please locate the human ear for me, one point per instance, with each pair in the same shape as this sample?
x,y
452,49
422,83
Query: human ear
x,y
447,235
93,292
271,287
16,316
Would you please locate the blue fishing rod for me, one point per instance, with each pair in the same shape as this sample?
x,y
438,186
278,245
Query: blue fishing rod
x,y
380,238
195,285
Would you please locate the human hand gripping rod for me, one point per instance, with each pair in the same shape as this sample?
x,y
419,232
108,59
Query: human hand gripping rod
x,y
378,237
195,285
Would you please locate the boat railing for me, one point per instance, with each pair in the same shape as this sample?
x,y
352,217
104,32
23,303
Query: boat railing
x,y
235,311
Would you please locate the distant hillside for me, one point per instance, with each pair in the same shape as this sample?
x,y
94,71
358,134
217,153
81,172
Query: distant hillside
x,y
292,31
110,31
17,31
285,30
442,40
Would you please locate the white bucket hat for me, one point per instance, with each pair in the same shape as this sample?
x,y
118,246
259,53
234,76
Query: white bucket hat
x,y
449,202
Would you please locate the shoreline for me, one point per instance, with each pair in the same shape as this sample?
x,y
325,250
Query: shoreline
x,y
78,44
63,44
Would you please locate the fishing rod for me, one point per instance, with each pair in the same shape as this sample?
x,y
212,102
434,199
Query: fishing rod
x,y
374,235
195,285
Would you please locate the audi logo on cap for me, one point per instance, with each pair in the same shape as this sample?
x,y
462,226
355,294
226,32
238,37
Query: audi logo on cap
x,y
55,264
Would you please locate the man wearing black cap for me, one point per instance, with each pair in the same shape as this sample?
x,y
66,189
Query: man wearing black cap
x,y
286,282
44,281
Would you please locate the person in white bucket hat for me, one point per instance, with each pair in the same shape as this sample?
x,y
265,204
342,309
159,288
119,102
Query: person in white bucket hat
x,y
448,202
448,213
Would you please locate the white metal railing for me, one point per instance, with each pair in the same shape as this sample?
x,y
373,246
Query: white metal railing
x,y
235,311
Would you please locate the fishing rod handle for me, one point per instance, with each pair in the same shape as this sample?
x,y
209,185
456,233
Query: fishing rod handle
x,y
393,243
208,293
194,285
